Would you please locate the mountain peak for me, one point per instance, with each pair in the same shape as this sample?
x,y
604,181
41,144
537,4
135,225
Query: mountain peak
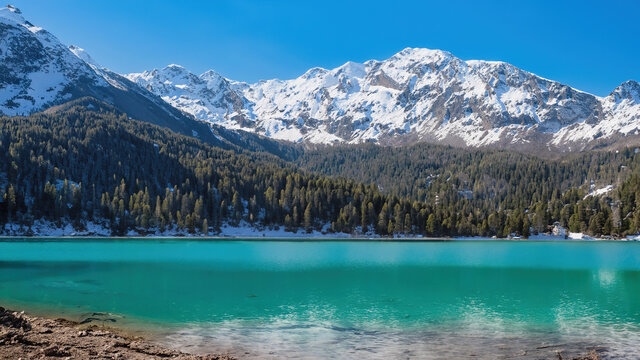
x,y
313,72
422,53
631,84
351,69
175,67
13,9
210,74
12,13
628,90
213,79
39,69
84,56
416,95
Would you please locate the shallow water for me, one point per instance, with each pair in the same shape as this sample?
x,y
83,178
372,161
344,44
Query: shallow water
x,y
275,299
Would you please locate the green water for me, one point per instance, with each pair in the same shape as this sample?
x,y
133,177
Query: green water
x,y
262,299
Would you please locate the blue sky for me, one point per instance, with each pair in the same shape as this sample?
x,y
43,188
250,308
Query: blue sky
x,y
591,45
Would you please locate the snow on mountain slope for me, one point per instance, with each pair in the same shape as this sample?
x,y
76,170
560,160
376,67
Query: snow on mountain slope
x,y
416,95
35,68
38,72
103,72
620,117
207,97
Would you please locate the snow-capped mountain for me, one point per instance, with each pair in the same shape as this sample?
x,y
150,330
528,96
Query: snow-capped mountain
x,y
36,68
416,95
619,119
37,72
208,96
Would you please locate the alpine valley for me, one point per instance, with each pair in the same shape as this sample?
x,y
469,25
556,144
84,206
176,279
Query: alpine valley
x,y
422,143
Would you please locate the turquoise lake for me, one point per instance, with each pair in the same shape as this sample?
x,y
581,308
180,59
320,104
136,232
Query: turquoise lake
x,y
340,299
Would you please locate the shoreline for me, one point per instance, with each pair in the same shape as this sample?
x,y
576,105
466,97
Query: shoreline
x,y
33,337
96,229
303,238
40,337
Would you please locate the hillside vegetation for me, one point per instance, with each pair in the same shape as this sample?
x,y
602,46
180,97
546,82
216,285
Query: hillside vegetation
x,y
78,164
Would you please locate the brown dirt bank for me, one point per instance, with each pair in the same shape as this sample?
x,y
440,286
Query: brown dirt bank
x,y
30,337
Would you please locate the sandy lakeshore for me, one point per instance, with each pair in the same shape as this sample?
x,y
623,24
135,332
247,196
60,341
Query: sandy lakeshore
x,y
29,337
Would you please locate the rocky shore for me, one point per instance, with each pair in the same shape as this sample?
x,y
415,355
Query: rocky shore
x,y
30,337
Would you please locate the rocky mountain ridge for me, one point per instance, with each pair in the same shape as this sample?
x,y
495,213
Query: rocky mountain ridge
x,y
38,72
416,95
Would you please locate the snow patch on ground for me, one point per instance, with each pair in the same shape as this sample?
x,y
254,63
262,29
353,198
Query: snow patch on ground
x,y
99,227
579,236
47,228
246,230
598,192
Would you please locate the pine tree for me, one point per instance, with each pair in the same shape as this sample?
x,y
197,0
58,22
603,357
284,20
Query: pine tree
x,y
407,223
383,220
431,224
398,218
574,223
526,225
205,227
364,218
158,220
11,200
238,209
308,220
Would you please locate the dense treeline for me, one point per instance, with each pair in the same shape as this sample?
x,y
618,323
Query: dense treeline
x,y
79,165
422,171
501,185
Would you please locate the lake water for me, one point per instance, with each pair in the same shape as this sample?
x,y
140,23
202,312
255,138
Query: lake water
x,y
342,299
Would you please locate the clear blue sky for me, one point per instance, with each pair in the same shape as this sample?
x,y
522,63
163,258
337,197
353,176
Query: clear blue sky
x,y
591,45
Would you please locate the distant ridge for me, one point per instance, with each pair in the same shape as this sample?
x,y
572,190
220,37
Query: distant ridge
x,y
39,73
416,95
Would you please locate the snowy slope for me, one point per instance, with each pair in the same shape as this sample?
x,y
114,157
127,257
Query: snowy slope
x,y
35,68
38,72
416,95
620,117
207,97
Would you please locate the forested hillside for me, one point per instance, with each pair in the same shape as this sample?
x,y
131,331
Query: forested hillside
x,y
77,164
421,171
490,181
